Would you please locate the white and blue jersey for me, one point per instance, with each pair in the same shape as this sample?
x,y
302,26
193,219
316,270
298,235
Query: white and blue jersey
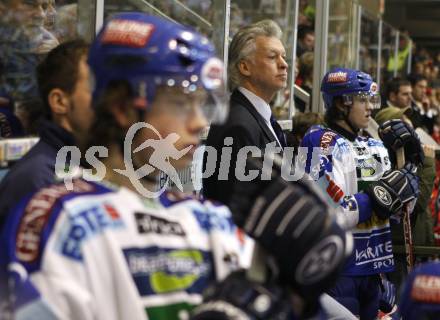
x,y
342,169
102,253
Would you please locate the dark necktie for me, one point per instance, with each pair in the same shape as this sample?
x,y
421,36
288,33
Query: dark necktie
x,y
278,131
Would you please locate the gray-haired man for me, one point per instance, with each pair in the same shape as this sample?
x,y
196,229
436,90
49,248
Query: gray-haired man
x,y
257,70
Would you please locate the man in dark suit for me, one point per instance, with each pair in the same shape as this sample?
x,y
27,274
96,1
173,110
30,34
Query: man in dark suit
x,y
257,71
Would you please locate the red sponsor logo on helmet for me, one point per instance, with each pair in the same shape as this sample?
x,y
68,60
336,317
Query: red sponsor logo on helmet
x,y
426,289
127,33
336,77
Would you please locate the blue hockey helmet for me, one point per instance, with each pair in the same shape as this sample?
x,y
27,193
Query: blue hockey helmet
x,y
148,52
350,85
420,297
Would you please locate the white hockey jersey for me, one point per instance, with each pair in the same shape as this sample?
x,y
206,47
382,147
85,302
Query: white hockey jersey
x,y
343,169
98,253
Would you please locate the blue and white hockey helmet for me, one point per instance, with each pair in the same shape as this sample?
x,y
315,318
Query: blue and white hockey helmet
x,y
351,85
148,52
420,297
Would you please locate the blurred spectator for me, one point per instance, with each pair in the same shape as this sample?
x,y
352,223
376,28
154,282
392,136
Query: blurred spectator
x,y
366,61
399,93
435,80
437,59
422,55
306,14
66,22
30,15
23,42
237,20
402,56
306,40
418,68
337,44
10,125
392,112
423,114
51,14
301,122
305,78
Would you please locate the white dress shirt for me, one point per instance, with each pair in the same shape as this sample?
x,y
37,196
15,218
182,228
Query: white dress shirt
x,y
262,108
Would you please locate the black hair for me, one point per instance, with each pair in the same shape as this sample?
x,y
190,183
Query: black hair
x,y
60,69
303,31
333,113
416,78
393,86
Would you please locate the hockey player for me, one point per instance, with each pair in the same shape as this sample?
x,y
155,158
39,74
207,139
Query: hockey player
x,y
102,250
355,173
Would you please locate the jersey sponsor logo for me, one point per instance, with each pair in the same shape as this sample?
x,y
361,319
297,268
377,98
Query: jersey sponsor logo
x,y
84,225
366,168
321,260
326,140
375,143
147,223
383,195
380,254
336,77
157,270
127,33
426,289
384,263
209,221
342,152
36,216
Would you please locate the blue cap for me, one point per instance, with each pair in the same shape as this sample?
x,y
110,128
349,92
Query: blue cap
x,y
148,51
342,81
421,294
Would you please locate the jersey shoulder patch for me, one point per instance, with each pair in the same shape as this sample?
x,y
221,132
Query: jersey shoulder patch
x,y
320,136
34,220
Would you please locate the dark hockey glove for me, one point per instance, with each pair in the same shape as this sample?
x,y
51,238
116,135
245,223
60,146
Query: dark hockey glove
x,y
395,189
238,298
292,223
397,134
387,296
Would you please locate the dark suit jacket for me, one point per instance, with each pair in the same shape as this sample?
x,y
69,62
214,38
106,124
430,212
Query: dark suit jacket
x,y
247,128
